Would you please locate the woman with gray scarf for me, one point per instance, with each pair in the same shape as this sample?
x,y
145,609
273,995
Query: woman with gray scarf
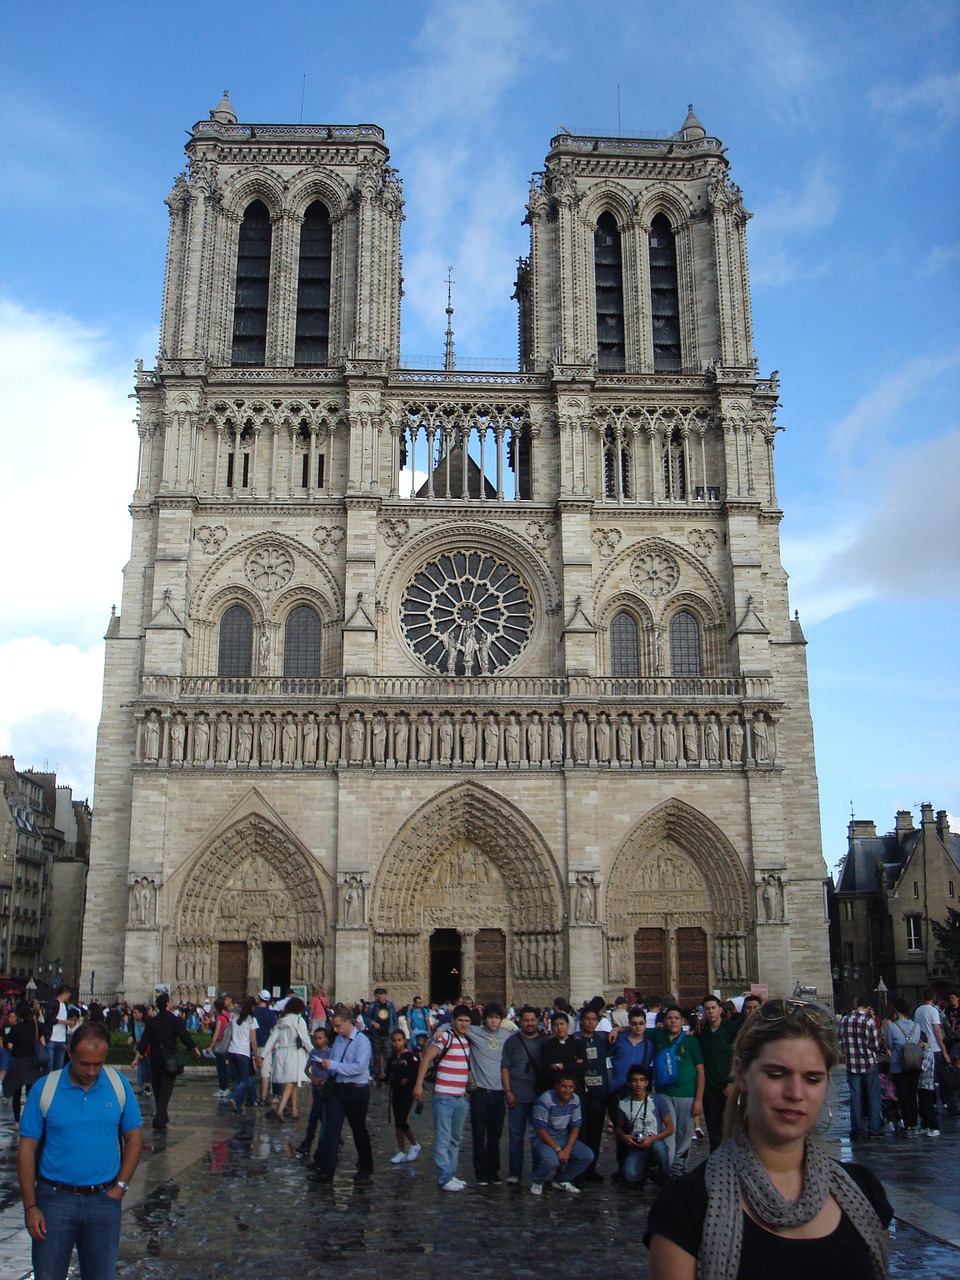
x,y
769,1201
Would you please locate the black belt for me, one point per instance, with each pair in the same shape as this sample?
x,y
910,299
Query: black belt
x,y
79,1191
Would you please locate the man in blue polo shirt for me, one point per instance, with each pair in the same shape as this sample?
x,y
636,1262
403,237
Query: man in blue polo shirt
x,y
91,1146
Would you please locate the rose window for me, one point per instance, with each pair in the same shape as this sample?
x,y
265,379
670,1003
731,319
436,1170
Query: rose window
x,y
655,574
466,614
270,568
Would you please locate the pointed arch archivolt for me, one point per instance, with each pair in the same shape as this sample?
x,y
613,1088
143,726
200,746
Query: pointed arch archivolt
x,y
500,831
675,857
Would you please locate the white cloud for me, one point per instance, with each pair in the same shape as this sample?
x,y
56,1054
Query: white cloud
x,y
779,226
70,453
943,256
933,102
884,404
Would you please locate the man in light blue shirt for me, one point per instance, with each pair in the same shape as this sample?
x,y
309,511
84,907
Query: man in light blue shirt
x,y
91,1146
349,1098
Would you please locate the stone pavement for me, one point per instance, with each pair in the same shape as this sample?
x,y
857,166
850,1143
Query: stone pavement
x,y
218,1197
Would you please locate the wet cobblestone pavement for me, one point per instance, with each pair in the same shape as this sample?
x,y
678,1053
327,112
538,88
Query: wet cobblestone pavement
x,y
220,1197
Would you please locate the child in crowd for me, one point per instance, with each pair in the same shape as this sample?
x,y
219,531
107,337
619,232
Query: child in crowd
x,y
927,1095
318,1077
400,1073
645,1125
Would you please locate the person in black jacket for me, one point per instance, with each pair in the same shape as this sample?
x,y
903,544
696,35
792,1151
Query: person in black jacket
x,y
158,1041
560,1053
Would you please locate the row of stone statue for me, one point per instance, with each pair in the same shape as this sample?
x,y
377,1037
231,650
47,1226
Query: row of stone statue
x,y
512,740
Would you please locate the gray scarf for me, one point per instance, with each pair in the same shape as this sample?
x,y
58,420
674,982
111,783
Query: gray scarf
x,y
736,1176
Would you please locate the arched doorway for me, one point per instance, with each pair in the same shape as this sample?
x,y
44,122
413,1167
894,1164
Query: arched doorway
x,y
446,966
472,863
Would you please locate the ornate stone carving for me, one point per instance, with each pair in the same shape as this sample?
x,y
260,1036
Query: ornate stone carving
x,y
770,894
393,532
654,573
466,614
583,895
269,568
703,541
143,903
210,537
606,540
353,902
329,537
541,533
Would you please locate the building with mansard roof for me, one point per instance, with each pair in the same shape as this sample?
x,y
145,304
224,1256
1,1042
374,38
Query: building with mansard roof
x,y
453,680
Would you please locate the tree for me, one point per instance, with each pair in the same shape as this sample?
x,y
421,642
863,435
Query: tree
x,y
947,934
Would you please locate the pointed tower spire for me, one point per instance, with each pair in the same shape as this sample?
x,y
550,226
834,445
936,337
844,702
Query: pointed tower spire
x,y
692,129
223,111
448,360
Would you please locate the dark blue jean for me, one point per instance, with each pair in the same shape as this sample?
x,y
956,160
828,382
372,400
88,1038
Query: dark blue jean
x,y
244,1083
865,1083
518,1118
487,1107
58,1054
223,1070
318,1108
92,1223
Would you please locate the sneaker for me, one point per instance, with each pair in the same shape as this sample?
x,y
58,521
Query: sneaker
x,y
567,1186
414,1152
536,1188
933,1133
399,1158
483,1182
303,1149
513,1180
453,1185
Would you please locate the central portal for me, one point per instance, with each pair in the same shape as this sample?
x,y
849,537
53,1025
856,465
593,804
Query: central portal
x,y
446,966
276,966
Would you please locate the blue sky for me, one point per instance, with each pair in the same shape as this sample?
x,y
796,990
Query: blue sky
x,y
840,121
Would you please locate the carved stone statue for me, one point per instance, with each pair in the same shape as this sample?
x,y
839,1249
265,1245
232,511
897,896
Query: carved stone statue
x,y
760,740
401,740
332,737
201,740
660,656
491,741
352,898
584,906
268,740
446,740
555,740
311,737
669,739
245,740
483,653
691,744
469,648
534,739
711,740
151,738
355,735
222,747
625,741
264,651
603,740
142,894
288,739
178,735
379,740
424,739
511,741
580,738
648,741
468,738
736,741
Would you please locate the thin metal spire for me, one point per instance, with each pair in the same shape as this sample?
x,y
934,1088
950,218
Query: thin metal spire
x,y
448,360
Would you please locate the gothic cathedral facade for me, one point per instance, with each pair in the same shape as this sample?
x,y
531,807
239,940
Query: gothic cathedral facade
x,y
444,680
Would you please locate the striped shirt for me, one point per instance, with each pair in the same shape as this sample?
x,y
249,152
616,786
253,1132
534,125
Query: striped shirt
x,y
453,1066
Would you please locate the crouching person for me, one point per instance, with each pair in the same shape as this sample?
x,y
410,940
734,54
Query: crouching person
x,y
557,1155
645,1124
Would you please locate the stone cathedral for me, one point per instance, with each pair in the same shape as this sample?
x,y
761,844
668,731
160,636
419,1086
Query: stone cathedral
x,y
447,680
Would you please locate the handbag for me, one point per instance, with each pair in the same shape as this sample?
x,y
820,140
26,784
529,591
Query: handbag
x,y
172,1062
912,1052
41,1055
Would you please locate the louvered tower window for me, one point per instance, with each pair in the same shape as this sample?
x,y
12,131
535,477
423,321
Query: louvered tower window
x,y
624,650
301,643
684,645
253,287
608,274
313,288
664,297
236,642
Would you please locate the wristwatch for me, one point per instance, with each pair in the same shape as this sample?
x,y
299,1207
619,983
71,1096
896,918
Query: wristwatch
x,y
124,1186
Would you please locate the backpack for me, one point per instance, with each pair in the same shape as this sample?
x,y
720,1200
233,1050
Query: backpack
x,y
912,1050
665,1068
53,1079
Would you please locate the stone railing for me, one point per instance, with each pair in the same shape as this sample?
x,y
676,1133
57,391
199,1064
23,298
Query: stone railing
x,y
501,734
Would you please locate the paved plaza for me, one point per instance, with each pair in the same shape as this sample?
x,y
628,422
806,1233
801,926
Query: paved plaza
x,y
217,1197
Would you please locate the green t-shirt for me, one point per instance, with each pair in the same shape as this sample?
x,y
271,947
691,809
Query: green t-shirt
x,y
689,1058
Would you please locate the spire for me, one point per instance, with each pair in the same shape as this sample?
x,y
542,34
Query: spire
x,y
223,111
448,360
692,129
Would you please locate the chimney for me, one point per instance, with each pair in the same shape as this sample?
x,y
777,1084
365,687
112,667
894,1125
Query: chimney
x,y
860,829
926,815
904,823
943,827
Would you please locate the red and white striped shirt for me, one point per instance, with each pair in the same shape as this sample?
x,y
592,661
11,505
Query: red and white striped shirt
x,y
453,1066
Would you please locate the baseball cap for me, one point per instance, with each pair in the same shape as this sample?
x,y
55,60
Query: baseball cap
x,y
265,994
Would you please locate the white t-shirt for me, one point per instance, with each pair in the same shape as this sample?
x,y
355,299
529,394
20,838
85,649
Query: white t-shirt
x,y
58,1033
927,1017
240,1036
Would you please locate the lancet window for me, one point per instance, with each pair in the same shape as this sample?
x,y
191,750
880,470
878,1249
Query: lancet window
x,y
252,287
624,646
313,288
608,278
684,644
664,297
236,642
301,643
674,465
617,469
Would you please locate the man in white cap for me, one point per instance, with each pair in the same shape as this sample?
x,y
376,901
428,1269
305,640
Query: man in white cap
x,y
266,1019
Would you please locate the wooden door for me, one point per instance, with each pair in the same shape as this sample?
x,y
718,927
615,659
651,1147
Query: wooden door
x,y
490,966
650,962
232,969
692,970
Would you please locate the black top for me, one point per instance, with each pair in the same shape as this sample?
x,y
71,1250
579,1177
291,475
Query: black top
x,y
160,1035
680,1211
20,1039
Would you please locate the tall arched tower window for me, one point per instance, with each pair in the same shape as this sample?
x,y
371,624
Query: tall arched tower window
x,y
624,649
236,642
313,288
253,287
608,275
674,466
664,297
616,465
684,645
301,643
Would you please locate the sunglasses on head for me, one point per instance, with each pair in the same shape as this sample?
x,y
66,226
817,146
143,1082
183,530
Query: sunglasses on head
x,y
780,1007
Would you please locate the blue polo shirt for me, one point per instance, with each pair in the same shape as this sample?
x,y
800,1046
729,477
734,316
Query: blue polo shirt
x,y
82,1146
